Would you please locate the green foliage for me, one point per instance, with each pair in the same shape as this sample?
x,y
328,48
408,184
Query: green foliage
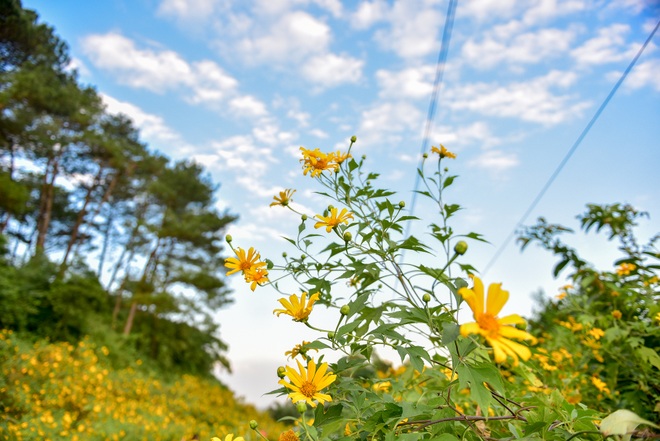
x,y
605,326
594,351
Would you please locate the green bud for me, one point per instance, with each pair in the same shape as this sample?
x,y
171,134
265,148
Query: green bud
x,y
426,297
348,236
461,247
228,238
425,155
302,257
402,204
304,217
269,264
353,138
331,335
330,207
301,406
281,372
364,157
253,425
446,169
344,310
284,254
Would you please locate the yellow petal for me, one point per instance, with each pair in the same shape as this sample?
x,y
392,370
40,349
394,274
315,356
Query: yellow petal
x,y
497,297
470,328
511,319
521,350
519,334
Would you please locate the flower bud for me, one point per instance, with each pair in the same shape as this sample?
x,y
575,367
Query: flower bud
x,y
348,236
301,406
303,217
281,372
253,425
344,310
331,335
402,204
425,155
461,247
330,207
302,257
284,254
228,238
353,138
364,157
426,297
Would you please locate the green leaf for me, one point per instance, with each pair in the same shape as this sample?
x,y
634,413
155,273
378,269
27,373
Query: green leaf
x,y
475,376
649,356
450,332
332,414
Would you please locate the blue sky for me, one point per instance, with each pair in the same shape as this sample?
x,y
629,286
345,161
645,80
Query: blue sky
x,y
241,85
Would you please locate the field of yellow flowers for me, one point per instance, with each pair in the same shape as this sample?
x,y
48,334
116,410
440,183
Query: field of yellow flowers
x,y
51,391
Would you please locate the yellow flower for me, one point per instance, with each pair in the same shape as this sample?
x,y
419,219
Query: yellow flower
x,y
625,268
298,349
297,308
560,296
657,317
443,152
245,261
494,329
284,199
307,383
383,386
600,384
229,437
596,333
616,314
289,435
341,157
256,276
330,222
315,162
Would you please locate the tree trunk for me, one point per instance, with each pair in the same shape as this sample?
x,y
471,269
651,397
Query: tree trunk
x,y
46,206
145,273
79,221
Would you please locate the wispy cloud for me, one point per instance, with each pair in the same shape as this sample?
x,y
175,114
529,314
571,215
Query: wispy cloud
x,y
160,70
532,100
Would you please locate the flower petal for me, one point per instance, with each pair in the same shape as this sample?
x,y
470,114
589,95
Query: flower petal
x,y
497,297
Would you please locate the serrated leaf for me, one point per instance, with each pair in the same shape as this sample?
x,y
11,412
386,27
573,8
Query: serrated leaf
x,y
623,422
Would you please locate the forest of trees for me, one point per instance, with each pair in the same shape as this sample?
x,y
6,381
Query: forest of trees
x,y
99,235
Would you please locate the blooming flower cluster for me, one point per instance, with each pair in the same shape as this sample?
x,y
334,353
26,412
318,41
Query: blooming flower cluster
x,y
315,161
250,264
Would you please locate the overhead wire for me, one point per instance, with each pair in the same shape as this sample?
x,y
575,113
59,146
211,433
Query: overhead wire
x,y
439,73
570,152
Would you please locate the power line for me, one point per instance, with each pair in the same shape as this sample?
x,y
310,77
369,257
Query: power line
x,y
568,155
439,72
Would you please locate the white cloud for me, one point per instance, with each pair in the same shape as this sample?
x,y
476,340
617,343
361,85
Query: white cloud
x,y
152,127
248,105
414,25
202,82
531,100
455,137
318,133
369,13
293,37
331,70
523,48
413,82
188,9
606,47
239,154
643,74
385,123
495,161
149,69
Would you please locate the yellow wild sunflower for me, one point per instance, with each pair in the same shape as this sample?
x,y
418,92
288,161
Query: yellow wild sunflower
x,y
229,437
244,261
335,218
298,349
256,276
284,198
443,152
497,331
306,384
315,161
298,308
289,435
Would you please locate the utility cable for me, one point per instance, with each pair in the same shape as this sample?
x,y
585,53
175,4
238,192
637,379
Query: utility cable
x,y
439,72
568,155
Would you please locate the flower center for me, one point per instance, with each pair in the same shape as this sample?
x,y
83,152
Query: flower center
x,y
488,322
308,389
